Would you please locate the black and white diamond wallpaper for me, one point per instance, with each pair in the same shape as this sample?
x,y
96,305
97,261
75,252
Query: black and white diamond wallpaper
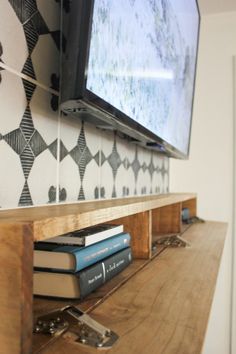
x,y
47,157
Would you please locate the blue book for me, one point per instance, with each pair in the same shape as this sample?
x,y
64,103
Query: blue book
x,y
80,284
70,258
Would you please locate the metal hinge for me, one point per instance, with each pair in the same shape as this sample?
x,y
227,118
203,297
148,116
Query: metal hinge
x,y
77,325
172,241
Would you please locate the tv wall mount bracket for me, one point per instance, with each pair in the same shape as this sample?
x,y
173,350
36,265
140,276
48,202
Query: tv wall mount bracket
x,y
76,326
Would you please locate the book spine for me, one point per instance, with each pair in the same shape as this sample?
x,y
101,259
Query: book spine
x,y
91,239
90,279
116,263
98,251
80,238
93,277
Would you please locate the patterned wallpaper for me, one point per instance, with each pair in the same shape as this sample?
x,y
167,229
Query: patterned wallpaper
x,y
47,157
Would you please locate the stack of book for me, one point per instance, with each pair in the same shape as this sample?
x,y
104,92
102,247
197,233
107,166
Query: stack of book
x,y
75,264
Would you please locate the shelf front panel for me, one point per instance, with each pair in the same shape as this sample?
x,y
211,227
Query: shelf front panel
x,y
53,220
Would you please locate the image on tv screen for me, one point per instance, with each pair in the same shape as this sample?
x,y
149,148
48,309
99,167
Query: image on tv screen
x,y
142,60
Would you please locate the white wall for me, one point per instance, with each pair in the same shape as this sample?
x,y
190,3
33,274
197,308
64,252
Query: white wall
x,y
209,170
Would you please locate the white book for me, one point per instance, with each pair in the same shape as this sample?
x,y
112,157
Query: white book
x,y
88,236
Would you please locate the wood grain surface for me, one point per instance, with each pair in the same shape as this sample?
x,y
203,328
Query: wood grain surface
x,y
164,308
158,306
16,268
53,220
167,219
140,228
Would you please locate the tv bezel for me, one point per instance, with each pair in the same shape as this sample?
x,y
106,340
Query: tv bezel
x,y
77,100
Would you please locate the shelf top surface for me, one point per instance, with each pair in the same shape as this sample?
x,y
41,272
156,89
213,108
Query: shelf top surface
x,y
30,214
56,219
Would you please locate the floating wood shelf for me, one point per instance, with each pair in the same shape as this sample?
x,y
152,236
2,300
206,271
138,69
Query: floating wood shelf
x,y
153,294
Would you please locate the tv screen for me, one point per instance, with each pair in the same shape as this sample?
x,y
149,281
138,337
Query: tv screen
x,y
130,65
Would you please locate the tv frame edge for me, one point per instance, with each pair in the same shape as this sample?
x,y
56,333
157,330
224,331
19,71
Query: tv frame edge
x,y
90,107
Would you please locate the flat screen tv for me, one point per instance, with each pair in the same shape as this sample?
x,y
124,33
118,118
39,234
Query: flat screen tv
x,y
130,65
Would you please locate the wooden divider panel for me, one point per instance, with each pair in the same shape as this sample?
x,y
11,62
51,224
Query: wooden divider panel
x,y
16,267
167,219
139,227
191,204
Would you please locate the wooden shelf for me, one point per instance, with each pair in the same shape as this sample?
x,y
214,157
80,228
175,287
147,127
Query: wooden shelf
x,y
165,307
53,220
141,216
